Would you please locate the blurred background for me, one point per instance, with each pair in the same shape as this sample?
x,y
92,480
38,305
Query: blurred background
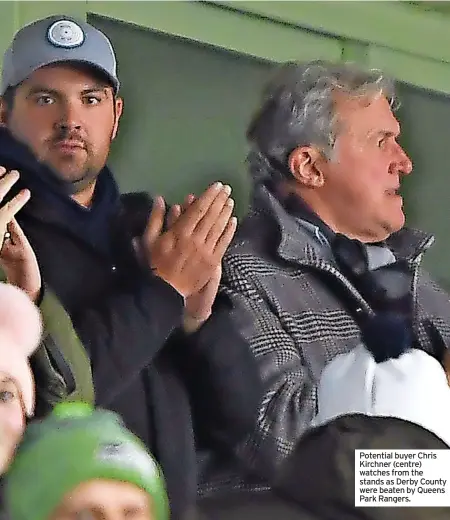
x,y
192,71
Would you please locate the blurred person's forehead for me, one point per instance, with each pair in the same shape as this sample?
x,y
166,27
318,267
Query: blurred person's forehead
x,y
102,498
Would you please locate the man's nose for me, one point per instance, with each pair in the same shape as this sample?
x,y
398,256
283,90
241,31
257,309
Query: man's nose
x,y
404,163
407,165
70,118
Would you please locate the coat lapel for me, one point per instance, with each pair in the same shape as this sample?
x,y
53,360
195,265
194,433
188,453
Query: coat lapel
x,y
299,247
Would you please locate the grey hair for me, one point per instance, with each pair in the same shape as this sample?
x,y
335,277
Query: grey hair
x,y
298,109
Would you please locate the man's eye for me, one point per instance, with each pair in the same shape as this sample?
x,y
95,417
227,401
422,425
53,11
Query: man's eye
x,y
6,396
91,100
45,100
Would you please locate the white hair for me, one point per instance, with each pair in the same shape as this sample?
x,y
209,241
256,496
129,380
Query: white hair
x,y
298,109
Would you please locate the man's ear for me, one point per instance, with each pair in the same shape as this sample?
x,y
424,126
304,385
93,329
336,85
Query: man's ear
x,y
118,109
305,165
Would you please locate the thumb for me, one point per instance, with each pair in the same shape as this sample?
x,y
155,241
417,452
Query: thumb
x,y
155,222
18,237
18,244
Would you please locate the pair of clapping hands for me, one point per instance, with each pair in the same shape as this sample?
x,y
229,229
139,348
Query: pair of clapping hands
x,y
185,247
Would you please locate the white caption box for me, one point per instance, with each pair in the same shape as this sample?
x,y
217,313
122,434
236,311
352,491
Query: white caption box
x,y
402,478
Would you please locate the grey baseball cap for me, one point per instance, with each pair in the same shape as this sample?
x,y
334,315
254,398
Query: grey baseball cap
x,y
57,39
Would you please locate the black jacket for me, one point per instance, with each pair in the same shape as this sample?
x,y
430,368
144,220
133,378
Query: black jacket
x,y
143,366
319,476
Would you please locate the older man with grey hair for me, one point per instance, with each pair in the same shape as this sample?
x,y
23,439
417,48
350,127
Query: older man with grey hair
x,y
323,263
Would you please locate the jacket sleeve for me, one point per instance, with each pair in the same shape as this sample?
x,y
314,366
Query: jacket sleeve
x,y
105,346
222,377
289,395
61,365
58,358
125,331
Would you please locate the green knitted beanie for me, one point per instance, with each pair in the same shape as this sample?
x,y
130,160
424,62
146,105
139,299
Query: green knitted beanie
x,y
73,445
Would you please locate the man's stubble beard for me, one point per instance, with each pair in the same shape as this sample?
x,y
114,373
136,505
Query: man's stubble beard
x,y
79,183
87,177
71,186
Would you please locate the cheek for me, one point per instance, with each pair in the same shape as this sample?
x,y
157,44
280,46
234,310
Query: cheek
x,y
12,426
356,191
12,420
370,175
100,136
31,129
348,182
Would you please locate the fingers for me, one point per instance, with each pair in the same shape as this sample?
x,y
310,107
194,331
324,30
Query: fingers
x,y
200,231
197,210
220,225
176,210
7,181
226,238
155,222
18,238
213,215
174,213
17,235
188,201
11,208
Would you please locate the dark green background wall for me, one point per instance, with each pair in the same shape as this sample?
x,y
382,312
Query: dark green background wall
x,y
425,118
187,106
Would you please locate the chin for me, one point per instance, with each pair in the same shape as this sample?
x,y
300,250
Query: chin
x,y
395,224
69,174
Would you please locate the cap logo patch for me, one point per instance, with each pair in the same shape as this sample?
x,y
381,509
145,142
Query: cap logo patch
x,y
127,455
65,33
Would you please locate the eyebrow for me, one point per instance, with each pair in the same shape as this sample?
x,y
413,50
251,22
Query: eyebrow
x,y
383,133
97,510
39,89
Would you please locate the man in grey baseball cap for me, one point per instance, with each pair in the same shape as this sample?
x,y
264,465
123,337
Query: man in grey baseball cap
x,y
70,66
57,40
126,278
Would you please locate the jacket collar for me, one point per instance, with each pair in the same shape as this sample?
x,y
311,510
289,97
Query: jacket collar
x,y
297,244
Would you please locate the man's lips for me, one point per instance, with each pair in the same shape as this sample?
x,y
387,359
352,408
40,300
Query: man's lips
x,y
69,144
394,192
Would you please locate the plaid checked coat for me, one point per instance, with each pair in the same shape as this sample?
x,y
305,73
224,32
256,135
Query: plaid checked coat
x,y
297,311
